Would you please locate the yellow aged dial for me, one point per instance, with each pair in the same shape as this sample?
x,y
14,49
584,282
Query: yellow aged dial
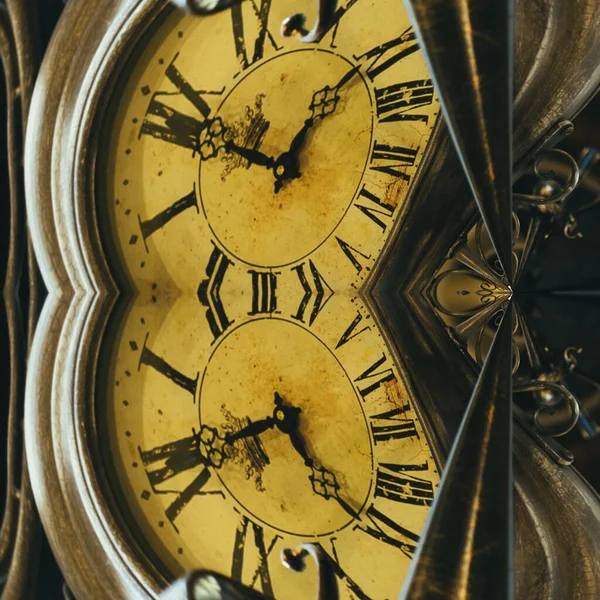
x,y
251,186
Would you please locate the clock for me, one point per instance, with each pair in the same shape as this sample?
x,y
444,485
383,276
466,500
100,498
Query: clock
x,y
252,398
228,363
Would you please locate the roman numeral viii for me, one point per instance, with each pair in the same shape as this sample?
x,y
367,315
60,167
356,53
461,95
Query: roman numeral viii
x,y
393,160
169,460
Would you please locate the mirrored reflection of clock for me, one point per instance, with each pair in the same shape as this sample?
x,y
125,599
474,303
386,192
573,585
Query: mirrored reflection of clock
x,y
247,398
218,213
252,403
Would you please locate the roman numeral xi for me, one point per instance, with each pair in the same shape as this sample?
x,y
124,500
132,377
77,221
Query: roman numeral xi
x,y
170,125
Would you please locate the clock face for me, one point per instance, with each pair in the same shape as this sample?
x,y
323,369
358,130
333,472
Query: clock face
x,y
251,186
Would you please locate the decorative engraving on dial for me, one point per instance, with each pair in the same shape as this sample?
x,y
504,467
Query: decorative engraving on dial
x,y
251,454
250,131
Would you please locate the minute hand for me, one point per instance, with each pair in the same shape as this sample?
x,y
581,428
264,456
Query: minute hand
x,y
319,100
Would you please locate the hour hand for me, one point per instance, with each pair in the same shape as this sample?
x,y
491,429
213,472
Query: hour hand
x,y
252,429
253,156
287,420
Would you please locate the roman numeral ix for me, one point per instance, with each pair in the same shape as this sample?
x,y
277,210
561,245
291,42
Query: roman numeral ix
x,y
209,292
322,292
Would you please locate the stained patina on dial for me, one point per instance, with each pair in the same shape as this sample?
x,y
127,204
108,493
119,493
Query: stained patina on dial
x,y
251,187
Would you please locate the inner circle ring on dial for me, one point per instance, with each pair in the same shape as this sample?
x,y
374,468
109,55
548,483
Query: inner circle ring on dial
x,y
253,223
266,355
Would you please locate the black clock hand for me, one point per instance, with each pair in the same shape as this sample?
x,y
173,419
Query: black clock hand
x,y
253,156
287,421
251,430
322,105
215,136
324,483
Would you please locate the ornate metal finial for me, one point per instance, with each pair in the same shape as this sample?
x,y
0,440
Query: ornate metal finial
x,y
208,585
295,559
203,7
294,26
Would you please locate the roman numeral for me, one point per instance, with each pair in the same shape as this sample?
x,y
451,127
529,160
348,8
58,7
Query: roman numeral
x,y
178,456
386,55
395,100
394,482
149,359
374,213
408,540
157,222
390,159
239,549
335,21
264,292
373,379
391,425
322,289
239,38
352,254
350,332
341,574
170,125
209,292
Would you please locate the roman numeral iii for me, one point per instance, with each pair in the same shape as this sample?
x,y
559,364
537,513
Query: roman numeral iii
x,y
395,101
397,483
